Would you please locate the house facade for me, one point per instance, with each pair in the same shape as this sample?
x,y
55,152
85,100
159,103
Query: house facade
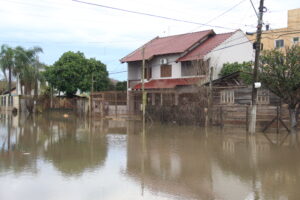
x,y
176,65
282,37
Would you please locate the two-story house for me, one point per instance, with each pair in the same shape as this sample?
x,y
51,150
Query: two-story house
x,y
176,64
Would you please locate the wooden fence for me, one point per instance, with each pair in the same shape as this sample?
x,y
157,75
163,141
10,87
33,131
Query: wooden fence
x,y
238,116
109,103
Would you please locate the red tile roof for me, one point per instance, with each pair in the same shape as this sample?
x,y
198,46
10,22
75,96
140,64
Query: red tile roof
x,y
167,45
168,83
203,49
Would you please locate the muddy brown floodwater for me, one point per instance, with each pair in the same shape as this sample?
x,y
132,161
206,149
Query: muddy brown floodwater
x,y
58,156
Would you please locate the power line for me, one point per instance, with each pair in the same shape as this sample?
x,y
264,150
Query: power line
x,y
226,11
223,13
254,8
151,15
117,72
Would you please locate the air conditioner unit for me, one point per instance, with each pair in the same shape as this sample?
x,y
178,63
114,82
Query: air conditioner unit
x,y
163,61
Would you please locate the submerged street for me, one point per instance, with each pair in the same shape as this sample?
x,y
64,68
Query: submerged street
x,y
60,156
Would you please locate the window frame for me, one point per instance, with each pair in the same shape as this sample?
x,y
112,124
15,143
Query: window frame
x,y
227,97
278,47
163,71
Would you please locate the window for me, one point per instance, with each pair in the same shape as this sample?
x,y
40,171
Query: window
x,y
279,43
263,96
227,96
165,70
148,76
295,40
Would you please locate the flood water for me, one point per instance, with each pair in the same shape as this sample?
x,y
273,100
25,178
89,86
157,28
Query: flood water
x,y
58,156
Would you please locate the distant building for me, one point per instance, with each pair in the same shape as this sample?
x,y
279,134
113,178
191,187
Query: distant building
x,y
282,37
175,64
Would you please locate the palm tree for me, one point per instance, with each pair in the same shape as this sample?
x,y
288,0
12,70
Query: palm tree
x,y
7,63
27,68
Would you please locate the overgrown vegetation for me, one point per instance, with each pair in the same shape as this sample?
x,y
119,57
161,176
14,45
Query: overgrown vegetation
x,y
280,73
245,68
121,86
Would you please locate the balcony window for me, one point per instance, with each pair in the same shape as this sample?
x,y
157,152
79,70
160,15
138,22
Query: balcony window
x,y
165,70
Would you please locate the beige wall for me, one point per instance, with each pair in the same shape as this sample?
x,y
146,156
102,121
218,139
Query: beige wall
x,y
287,34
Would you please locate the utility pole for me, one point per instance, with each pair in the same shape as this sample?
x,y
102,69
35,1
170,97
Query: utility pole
x,y
91,95
143,86
257,46
210,96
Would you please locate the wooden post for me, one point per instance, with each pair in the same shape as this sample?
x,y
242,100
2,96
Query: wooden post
x,y
51,97
116,107
278,118
252,125
210,96
221,116
247,118
143,85
91,95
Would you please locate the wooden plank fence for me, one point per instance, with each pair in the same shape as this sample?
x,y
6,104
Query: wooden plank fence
x,y
238,116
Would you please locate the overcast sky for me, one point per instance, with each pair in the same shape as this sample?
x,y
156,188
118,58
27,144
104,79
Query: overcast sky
x,y
108,35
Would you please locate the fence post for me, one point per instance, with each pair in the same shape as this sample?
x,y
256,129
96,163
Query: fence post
x,y
221,116
116,107
247,118
278,118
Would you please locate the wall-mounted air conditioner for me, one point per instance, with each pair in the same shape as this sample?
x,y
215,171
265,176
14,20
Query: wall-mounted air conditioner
x,y
163,61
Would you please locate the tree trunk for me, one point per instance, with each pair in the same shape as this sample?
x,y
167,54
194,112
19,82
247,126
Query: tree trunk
x,y
293,120
29,100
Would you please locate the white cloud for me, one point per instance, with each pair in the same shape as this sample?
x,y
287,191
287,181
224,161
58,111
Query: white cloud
x,y
66,22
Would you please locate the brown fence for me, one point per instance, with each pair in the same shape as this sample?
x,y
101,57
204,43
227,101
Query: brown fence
x,y
109,103
238,116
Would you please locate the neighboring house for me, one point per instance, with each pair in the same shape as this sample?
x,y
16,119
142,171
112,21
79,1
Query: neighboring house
x,y
282,37
175,64
11,103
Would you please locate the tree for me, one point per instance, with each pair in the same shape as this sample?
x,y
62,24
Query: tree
x,y
19,62
7,63
121,86
280,73
73,72
27,68
245,68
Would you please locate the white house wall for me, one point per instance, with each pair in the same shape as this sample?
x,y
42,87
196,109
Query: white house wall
x,y
134,70
226,52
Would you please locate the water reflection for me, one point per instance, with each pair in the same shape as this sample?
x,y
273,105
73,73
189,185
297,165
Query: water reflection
x,y
191,164
68,143
116,160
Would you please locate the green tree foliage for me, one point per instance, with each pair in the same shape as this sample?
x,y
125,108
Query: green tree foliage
x,y
121,86
23,63
245,68
280,73
74,72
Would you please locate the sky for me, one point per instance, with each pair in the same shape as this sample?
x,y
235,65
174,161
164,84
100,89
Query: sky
x,y
108,35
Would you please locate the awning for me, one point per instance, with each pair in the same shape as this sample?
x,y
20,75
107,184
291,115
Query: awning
x,y
167,83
